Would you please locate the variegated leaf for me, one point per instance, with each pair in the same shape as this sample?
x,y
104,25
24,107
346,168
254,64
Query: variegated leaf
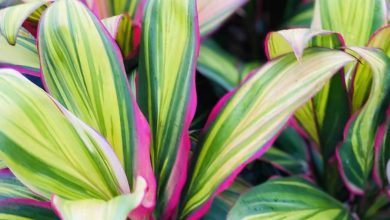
x,y
225,201
166,93
219,66
125,32
362,78
82,67
49,150
109,8
18,202
117,208
23,56
325,115
212,13
356,154
290,199
382,152
12,18
356,20
244,123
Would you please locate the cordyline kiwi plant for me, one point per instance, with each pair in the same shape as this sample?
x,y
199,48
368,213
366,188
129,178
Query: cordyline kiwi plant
x,y
101,141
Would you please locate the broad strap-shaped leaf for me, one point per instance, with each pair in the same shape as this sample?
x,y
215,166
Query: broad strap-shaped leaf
x,y
244,123
2,165
51,152
212,13
12,18
23,56
362,78
166,93
18,202
219,66
82,68
117,208
325,115
296,40
355,155
356,20
382,152
225,201
125,32
289,198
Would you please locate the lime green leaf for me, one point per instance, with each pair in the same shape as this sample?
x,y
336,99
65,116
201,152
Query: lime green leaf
x,y
125,33
82,68
166,93
355,155
363,76
108,8
290,199
325,115
51,152
13,17
356,20
117,208
23,56
2,165
212,13
296,40
247,120
219,66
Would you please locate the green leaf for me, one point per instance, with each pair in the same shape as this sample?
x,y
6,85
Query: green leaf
x,y
125,32
18,210
325,115
22,56
108,8
212,13
296,40
166,93
51,151
117,208
18,202
219,66
289,153
356,155
225,201
13,17
11,187
363,75
245,122
356,20
290,199
82,68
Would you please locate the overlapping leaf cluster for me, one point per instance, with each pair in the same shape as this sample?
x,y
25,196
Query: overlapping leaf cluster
x,y
108,134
